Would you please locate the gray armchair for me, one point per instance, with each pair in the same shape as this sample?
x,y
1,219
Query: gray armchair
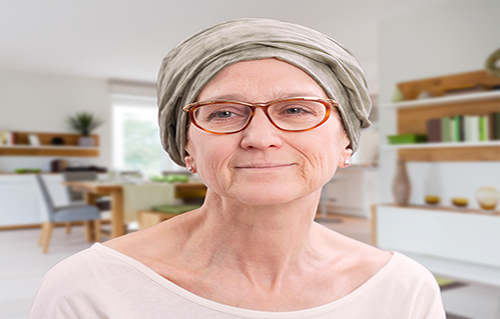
x,y
63,214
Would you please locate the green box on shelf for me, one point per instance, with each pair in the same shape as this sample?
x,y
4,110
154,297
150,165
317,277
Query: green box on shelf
x,y
407,139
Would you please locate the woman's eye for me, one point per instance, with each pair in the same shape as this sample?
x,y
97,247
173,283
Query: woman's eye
x,y
223,114
294,110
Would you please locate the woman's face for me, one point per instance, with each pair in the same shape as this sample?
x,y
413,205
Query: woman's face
x,y
263,165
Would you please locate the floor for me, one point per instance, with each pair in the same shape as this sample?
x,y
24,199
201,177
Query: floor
x,y
23,265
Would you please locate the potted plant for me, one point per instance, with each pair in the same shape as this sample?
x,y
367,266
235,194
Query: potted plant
x,y
84,123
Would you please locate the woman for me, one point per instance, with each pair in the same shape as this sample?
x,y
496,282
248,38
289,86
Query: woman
x,y
264,112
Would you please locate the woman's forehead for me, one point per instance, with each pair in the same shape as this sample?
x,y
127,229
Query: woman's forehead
x,y
265,80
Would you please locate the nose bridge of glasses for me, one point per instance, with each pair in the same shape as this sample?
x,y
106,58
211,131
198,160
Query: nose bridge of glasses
x,y
260,108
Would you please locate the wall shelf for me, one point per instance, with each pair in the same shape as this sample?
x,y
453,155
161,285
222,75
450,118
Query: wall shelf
x,y
462,98
70,148
19,150
441,145
412,117
445,209
448,152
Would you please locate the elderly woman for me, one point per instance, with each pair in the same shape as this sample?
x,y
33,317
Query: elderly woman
x,y
264,112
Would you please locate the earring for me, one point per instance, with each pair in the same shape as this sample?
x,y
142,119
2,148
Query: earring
x,y
347,163
190,169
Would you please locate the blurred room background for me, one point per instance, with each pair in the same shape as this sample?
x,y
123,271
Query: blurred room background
x,y
62,59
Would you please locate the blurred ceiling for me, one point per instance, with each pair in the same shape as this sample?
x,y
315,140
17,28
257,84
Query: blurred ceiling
x,y
126,40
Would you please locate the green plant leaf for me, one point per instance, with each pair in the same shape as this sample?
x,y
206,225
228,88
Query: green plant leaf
x,y
84,122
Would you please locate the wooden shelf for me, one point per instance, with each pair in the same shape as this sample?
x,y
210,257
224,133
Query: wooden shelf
x,y
463,98
70,147
440,86
445,209
412,117
448,152
442,145
20,150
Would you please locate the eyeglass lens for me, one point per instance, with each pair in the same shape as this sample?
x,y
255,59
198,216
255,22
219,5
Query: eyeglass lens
x,y
287,115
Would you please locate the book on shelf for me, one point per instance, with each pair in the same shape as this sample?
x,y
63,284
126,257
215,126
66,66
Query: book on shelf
x,y
458,129
453,129
446,129
494,125
464,128
434,130
483,128
471,126
7,138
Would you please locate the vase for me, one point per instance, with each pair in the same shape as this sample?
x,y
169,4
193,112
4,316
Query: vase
x,y
401,187
487,198
492,63
86,141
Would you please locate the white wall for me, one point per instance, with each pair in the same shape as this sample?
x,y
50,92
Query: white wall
x,y
448,38
42,102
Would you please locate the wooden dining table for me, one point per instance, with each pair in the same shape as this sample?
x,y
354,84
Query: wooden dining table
x,y
92,190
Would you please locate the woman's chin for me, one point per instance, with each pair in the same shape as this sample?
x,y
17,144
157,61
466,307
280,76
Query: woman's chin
x,y
260,195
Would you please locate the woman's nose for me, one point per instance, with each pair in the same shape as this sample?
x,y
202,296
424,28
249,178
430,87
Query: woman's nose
x,y
261,133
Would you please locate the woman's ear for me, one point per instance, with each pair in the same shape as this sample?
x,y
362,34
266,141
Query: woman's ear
x,y
345,157
190,163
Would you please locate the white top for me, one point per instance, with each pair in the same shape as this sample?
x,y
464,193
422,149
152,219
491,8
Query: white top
x,y
100,282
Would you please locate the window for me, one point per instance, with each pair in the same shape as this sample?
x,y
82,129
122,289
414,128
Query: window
x,y
136,140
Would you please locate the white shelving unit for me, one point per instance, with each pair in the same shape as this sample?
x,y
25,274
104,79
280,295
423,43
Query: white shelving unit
x,y
451,243
439,145
413,115
463,98
444,240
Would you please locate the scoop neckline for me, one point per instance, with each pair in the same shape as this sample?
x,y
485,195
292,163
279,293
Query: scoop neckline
x,y
249,313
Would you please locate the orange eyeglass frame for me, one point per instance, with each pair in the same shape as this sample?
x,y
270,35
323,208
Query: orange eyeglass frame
x,y
328,103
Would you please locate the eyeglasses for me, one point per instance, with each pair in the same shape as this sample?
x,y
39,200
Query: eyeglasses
x,y
296,114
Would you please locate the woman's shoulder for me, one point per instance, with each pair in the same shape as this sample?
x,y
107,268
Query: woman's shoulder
x,y
83,267
66,286
161,241
364,262
407,271
354,254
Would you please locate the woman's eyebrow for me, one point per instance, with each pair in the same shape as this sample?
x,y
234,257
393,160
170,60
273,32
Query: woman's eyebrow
x,y
230,96
296,94
240,98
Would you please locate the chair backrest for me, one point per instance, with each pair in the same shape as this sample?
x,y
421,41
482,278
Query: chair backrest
x,y
70,176
47,200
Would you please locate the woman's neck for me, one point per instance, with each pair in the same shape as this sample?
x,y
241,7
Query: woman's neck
x,y
258,241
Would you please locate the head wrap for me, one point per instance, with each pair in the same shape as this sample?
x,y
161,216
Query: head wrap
x,y
196,60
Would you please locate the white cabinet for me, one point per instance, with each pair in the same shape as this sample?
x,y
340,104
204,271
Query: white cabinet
x,y
351,191
20,198
18,201
457,244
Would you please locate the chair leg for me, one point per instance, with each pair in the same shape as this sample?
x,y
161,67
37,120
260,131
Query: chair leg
x,y
68,228
89,231
46,238
97,230
42,234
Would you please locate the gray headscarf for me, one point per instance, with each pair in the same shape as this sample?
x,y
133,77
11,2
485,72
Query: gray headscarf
x,y
196,60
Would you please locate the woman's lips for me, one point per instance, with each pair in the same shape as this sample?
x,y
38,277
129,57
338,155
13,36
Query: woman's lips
x,y
264,166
